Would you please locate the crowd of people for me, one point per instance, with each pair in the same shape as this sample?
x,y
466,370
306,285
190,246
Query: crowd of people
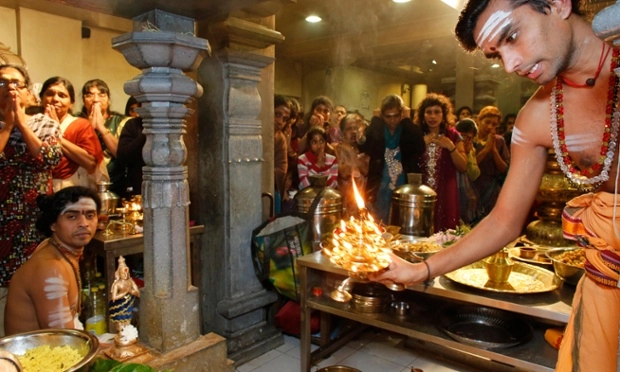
x,y
465,167
47,149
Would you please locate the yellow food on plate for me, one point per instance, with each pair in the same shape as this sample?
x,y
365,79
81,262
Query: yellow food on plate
x,y
421,247
49,359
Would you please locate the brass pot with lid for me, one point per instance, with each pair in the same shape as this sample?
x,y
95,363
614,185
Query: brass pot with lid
x,y
413,207
322,205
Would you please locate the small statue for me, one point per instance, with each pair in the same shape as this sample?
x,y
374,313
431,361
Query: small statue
x,y
122,298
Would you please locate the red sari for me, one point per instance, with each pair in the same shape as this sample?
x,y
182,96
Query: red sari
x,y
81,133
439,173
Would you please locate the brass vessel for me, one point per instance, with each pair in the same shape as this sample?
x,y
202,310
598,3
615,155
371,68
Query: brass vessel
x,y
498,267
554,191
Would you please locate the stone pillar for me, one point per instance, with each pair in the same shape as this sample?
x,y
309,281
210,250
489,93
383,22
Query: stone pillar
x,y
169,311
231,161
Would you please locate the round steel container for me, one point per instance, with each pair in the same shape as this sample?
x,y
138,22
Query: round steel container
x,y
413,207
328,212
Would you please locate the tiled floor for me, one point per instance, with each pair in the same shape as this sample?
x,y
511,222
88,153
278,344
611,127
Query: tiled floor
x,y
373,351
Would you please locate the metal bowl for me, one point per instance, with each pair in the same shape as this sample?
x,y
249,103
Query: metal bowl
x,y
570,274
85,343
404,246
338,369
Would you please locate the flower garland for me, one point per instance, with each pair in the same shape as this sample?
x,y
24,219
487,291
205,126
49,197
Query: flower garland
x,y
578,177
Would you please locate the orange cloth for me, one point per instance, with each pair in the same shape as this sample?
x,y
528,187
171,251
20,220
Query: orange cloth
x,y
81,133
590,341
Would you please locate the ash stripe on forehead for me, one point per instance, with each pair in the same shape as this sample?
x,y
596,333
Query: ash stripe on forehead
x,y
495,24
84,204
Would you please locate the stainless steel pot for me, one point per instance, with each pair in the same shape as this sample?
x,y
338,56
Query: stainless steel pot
x,y
413,207
327,209
109,200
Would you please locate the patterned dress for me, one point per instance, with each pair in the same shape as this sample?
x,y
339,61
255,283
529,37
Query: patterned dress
x,y
23,178
439,173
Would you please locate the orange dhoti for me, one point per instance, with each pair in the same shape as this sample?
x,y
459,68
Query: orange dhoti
x,y
591,338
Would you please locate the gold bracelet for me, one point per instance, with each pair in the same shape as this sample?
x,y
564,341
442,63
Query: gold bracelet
x,y
107,131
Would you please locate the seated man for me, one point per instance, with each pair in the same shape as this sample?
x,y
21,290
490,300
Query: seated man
x,y
45,292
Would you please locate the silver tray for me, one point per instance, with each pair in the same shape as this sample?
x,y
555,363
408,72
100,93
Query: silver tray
x,y
484,327
523,279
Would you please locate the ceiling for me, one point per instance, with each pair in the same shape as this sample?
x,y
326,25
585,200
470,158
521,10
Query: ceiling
x,y
380,35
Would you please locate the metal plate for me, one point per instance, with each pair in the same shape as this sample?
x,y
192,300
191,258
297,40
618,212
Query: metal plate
x,y
523,279
539,258
484,327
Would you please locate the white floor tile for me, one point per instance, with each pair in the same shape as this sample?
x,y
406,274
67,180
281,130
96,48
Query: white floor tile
x,y
337,357
259,361
385,349
369,363
290,342
283,363
429,364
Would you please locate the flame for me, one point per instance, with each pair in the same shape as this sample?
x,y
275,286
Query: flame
x,y
358,244
358,198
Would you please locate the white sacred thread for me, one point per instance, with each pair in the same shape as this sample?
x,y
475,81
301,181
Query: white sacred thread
x,y
496,22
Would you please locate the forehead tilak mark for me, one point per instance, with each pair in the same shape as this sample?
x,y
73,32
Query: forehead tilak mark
x,y
496,22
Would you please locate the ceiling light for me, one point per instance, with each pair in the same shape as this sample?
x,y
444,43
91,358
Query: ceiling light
x,y
401,1
495,65
313,19
434,62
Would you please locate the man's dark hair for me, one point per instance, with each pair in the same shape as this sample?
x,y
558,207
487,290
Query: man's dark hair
x,y
467,125
469,17
52,205
22,70
392,101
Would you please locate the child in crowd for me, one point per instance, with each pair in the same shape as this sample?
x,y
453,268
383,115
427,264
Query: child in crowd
x,y
315,161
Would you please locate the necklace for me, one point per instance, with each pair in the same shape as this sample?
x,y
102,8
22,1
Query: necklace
x,y
590,81
74,267
576,176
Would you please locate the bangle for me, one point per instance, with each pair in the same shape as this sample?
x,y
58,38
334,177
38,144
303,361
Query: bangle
x,y
428,271
453,150
107,131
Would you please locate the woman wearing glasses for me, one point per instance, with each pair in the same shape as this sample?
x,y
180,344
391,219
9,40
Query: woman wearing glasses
x,y
394,145
108,125
29,150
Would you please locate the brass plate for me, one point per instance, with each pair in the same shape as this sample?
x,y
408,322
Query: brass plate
x,y
538,259
523,279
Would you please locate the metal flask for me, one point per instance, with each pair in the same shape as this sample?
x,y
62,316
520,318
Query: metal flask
x,y
322,205
109,200
413,207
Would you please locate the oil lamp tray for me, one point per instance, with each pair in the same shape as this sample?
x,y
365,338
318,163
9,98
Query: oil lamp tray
x,y
484,327
523,279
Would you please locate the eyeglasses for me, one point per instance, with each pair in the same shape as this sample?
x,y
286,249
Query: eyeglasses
x,y
13,83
